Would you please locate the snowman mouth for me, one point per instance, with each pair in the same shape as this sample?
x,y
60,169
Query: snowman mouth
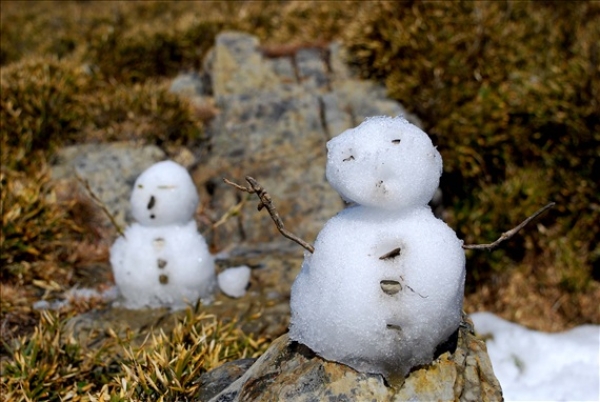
x,y
390,287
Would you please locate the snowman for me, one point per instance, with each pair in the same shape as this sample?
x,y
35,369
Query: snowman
x,y
162,260
384,286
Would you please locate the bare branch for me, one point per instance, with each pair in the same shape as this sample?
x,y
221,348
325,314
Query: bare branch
x,y
510,233
100,203
233,211
267,202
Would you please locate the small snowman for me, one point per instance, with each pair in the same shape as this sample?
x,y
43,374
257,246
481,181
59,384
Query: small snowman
x,y
384,286
162,260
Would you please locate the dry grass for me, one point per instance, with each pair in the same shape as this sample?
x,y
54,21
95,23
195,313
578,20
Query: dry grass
x,y
49,365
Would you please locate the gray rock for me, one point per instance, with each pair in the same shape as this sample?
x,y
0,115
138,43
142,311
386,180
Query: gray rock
x,y
238,67
336,114
218,379
312,69
264,311
289,371
188,85
276,115
110,170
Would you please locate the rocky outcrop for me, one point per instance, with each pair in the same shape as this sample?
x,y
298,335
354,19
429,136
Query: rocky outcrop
x,y
289,371
109,169
276,113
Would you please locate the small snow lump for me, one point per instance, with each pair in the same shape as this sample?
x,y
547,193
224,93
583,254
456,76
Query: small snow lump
x,y
384,286
234,281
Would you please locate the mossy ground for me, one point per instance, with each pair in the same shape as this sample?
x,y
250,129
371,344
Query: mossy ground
x,y
509,91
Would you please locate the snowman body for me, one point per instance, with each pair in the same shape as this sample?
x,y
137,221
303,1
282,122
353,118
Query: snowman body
x,y
162,260
384,286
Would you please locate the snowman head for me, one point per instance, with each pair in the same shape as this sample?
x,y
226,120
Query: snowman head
x,y
164,194
385,163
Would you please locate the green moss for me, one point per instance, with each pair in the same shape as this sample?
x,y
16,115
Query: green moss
x,y
509,90
41,105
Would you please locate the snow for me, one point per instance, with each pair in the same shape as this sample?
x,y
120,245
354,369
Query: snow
x,y
164,194
537,366
162,260
385,163
74,294
385,283
163,266
234,281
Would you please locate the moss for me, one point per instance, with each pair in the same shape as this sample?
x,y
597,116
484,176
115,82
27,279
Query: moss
x,y
146,112
40,106
508,90
34,226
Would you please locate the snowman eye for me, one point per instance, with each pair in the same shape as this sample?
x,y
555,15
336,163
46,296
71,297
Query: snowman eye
x,y
350,158
394,327
166,187
140,186
391,254
396,141
151,202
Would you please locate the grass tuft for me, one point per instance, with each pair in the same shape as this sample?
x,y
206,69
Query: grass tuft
x,y
51,365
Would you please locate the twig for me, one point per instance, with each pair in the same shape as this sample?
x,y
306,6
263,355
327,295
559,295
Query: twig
x,y
233,211
510,233
100,203
267,202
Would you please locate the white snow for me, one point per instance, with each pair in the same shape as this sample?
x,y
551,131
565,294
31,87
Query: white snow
x,y
74,294
162,260
537,366
234,281
163,266
384,163
350,305
164,194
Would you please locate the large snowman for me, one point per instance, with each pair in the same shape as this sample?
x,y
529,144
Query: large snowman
x,y
384,286
162,260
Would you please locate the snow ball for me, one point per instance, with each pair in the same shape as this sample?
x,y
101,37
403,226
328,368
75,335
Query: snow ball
x,y
234,281
385,162
164,194
381,290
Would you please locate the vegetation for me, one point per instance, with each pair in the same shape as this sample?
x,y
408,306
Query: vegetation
x,y
509,90
46,365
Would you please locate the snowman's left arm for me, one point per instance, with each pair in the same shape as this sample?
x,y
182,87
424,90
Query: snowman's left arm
x,y
507,235
267,202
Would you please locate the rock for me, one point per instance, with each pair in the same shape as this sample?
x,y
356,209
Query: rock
x,y
276,113
289,371
110,170
188,85
218,379
264,311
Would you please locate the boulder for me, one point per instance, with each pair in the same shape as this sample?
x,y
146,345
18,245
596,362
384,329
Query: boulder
x,y
289,371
